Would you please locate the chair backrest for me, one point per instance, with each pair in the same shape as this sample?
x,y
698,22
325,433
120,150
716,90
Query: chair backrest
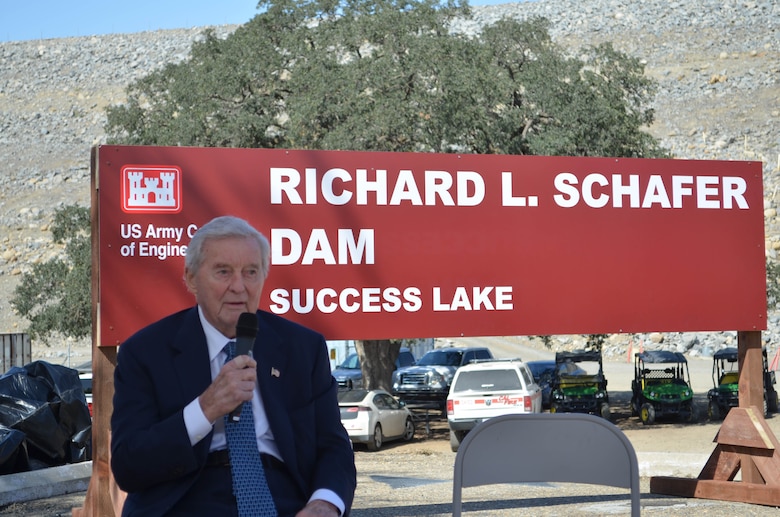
x,y
553,447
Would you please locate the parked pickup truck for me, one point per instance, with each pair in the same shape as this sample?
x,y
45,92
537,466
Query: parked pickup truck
x,y
428,382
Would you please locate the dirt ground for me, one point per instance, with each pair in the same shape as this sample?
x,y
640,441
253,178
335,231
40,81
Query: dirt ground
x,y
419,473
402,470
663,436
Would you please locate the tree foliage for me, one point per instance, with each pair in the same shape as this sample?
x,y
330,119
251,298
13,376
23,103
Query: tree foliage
x,y
772,283
55,296
392,75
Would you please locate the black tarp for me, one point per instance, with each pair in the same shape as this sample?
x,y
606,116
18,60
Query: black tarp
x,y
45,403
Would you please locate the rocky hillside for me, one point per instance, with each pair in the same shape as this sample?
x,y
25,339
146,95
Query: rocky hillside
x,y
717,63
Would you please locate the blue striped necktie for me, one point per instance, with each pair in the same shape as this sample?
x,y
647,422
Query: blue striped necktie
x,y
249,484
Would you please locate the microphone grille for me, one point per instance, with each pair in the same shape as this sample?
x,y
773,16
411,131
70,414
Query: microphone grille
x,y
247,325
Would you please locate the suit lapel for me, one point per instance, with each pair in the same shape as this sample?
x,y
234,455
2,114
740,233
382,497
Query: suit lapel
x,y
272,368
191,357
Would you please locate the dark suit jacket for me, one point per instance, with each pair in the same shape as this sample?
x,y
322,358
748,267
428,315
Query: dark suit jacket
x,y
164,366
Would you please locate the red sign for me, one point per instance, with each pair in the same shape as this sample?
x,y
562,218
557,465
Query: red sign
x,y
390,245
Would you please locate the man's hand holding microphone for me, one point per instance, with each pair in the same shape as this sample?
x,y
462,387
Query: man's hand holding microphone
x,y
236,381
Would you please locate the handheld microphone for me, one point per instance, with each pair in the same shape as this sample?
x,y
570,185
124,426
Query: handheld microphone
x,y
246,331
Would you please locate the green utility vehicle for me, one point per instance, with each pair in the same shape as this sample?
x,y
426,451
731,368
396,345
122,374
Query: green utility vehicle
x,y
662,387
725,377
579,385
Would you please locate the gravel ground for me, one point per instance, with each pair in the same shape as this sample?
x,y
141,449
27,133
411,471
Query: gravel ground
x,y
416,479
413,479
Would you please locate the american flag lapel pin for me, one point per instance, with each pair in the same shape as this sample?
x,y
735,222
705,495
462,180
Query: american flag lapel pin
x,y
274,372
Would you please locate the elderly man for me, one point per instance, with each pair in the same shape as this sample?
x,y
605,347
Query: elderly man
x,y
176,382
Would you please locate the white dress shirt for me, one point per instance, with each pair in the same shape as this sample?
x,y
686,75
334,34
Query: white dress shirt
x,y
198,426
194,419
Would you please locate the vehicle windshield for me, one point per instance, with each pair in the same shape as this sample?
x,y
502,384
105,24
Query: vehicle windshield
x,y
86,385
352,396
351,363
580,368
440,358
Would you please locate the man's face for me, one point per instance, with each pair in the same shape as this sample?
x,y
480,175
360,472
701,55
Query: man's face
x,y
228,282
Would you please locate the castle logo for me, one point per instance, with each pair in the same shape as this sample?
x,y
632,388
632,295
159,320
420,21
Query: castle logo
x,y
151,189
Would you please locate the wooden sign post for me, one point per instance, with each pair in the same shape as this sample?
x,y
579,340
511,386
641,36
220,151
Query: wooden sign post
x,y
744,444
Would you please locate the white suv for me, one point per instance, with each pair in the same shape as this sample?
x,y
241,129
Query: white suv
x,y
486,389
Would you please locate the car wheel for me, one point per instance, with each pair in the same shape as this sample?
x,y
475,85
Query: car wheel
x,y
606,414
408,430
713,410
693,413
376,442
553,408
634,407
647,413
455,438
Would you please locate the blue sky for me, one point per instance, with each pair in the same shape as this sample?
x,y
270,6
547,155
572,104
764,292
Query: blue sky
x,y
43,19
